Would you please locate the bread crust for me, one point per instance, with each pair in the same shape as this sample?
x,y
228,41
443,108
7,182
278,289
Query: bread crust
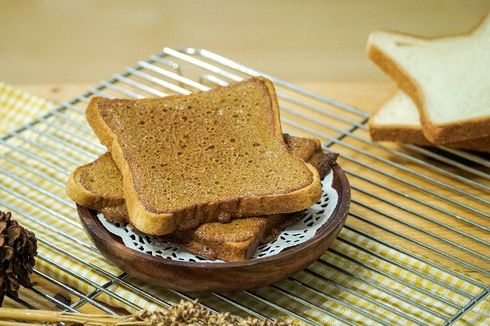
x,y
160,223
84,197
413,135
97,123
404,134
225,241
397,133
192,216
234,250
112,204
441,134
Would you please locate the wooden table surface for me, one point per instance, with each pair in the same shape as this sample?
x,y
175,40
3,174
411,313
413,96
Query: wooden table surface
x,y
66,41
369,96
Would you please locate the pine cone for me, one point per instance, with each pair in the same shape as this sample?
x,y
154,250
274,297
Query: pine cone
x,y
18,246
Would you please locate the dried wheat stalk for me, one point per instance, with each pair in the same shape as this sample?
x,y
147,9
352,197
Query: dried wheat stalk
x,y
185,313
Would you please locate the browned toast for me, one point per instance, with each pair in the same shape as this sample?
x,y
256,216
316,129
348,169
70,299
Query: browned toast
x,y
116,214
204,157
239,239
232,241
96,185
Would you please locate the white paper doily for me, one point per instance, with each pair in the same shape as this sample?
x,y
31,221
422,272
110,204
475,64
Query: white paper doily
x,y
295,234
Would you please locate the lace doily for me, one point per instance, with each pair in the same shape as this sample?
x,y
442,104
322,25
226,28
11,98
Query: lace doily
x,y
295,234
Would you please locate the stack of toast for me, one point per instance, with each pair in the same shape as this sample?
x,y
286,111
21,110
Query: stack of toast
x,y
444,97
211,172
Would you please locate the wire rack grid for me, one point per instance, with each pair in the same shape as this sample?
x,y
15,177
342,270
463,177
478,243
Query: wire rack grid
x,y
415,248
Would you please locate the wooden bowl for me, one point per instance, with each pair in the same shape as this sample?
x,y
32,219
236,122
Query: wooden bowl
x,y
220,277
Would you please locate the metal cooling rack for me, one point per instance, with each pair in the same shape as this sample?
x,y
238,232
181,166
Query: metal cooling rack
x,y
435,200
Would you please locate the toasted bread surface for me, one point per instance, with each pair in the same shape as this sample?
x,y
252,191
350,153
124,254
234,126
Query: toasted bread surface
x,y
96,185
238,239
188,160
116,214
234,241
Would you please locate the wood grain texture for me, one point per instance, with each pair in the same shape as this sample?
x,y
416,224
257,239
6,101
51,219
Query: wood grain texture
x,y
221,277
61,41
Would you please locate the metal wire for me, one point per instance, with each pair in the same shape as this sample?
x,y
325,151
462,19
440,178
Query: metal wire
x,y
170,72
233,77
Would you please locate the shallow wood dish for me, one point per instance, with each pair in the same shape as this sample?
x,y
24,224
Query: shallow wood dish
x,y
224,277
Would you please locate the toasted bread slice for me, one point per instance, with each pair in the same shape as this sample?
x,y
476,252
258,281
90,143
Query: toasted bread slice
x,y
204,157
236,240
398,121
232,241
116,214
96,185
448,79
239,239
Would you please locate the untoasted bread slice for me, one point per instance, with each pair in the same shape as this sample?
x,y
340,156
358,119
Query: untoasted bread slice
x,y
233,241
447,77
398,121
188,160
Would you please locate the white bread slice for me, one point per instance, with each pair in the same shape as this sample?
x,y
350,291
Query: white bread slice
x,y
447,77
398,120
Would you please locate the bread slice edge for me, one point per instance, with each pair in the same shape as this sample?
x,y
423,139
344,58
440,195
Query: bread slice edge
x,y
436,133
160,223
413,135
84,197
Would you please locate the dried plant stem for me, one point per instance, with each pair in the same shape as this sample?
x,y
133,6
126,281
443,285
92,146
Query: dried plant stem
x,y
54,316
184,313
16,323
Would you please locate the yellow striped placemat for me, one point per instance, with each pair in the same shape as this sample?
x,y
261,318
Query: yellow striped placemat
x,y
363,287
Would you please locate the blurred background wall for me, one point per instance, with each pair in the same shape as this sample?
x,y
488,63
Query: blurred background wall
x,y
54,41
